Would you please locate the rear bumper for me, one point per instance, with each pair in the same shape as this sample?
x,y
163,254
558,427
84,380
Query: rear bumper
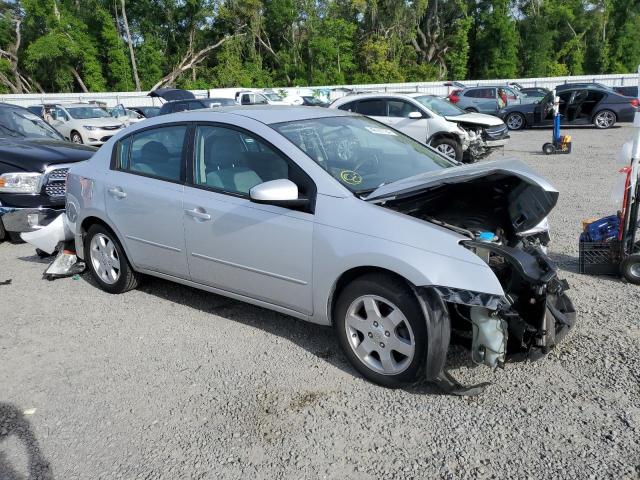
x,y
21,220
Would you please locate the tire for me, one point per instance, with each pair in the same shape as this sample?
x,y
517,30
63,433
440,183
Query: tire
x,y
631,268
471,110
368,339
515,121
548,149
604,119
76,137
448,147
107,261
3,232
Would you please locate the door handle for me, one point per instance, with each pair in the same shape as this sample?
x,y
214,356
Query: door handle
x,y
198,214
117,193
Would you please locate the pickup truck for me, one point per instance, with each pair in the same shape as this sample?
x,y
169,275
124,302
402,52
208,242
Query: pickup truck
x,y
34,160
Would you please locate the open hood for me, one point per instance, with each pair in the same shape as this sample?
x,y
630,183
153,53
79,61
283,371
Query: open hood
x,y
476,119
503,195
169,94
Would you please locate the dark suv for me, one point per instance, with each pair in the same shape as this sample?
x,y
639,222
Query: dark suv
x,y
195,104
34,159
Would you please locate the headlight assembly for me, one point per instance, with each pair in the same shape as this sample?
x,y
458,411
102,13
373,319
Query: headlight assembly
x,y
90,127
24,182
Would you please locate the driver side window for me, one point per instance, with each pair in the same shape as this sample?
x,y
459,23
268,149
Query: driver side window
x,y
235,161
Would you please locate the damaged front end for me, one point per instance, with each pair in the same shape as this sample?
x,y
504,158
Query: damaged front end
x,y
501,209
534,315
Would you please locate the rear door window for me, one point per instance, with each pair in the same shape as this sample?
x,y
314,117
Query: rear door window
x,y
372,108
157,152
349,107
481,93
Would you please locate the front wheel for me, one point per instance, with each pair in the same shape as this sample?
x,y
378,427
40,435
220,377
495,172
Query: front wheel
x,y
631,268
515,121
381,329
76,137
448,147
604,119
107,261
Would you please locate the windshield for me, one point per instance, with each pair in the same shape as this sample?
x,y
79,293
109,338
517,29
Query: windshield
x,y
440,106
274,97
359,152
16,123
87,112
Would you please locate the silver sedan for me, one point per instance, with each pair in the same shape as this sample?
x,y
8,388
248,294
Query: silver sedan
x,y
333,218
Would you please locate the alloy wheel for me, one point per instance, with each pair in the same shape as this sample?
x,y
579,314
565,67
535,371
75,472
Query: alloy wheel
x,y
515,121
605,119
379,334
104,258
447,150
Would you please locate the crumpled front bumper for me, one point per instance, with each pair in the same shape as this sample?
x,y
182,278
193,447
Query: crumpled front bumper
x,y
18,220
536,310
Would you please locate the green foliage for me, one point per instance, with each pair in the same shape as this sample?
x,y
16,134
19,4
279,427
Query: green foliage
x,y
69,43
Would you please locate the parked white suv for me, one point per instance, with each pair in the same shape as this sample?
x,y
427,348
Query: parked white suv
x,y
250,97
85,123
412,118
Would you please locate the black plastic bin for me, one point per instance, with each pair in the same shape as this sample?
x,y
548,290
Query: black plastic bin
x,y
600,258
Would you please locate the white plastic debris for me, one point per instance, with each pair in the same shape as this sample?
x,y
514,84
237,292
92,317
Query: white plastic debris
x,y
47,238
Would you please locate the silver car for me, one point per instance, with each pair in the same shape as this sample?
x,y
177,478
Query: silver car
x,y
333,218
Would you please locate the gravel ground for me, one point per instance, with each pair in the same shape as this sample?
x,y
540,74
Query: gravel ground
x,y
169,382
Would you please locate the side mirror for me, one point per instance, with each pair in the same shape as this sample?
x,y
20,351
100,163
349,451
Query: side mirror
x,y
415,115
281,192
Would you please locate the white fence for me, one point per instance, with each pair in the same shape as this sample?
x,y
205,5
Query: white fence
x,y
131,99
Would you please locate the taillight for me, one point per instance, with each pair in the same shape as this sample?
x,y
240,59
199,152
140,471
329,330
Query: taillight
x,y
453,97
635,103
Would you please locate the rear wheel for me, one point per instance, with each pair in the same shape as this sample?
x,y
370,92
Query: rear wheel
x,y
107,261
515,121
471,110
381,329
448,147
604,119
3,232
631,268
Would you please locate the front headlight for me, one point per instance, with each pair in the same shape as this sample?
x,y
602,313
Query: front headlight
x,y
20,182
90,127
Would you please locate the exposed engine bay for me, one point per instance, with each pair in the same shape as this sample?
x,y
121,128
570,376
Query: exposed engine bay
x,y
499,213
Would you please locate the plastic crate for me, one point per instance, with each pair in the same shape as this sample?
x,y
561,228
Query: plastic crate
x,y
600,258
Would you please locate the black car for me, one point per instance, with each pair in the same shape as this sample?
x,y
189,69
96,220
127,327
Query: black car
x,y
34,160
195,104
146,112
579,105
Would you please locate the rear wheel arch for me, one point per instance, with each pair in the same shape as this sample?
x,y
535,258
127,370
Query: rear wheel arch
x,y
89,221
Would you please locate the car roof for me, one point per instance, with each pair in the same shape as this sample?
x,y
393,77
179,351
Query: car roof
x,y
77,104
270,114
11,105
364,96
